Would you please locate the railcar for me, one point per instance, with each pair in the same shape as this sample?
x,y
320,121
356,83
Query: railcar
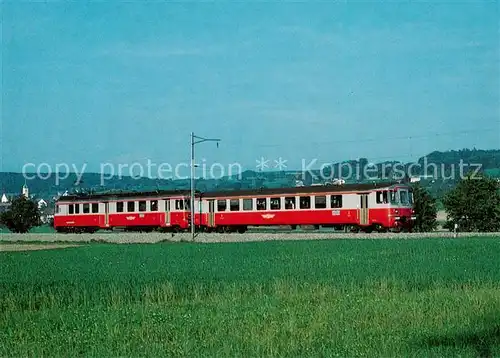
x,y
354,207
164,210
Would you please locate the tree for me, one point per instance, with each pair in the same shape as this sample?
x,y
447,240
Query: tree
x,y
425,209
22,215
474,204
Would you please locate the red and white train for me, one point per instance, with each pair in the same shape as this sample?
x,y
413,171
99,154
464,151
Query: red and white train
x,y
356,207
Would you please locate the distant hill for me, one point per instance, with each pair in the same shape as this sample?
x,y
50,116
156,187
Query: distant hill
x,y
488,159
444,165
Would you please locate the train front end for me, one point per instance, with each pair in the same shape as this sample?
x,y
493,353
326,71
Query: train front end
x,y
401,215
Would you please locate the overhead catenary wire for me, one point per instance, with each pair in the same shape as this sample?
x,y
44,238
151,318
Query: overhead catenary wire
x,y
248,142
366,140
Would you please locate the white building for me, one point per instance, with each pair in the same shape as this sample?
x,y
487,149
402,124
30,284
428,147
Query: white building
x,y
41,204
4,203
25,191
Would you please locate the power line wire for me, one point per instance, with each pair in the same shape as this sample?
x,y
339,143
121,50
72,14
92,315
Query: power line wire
x,y
409,137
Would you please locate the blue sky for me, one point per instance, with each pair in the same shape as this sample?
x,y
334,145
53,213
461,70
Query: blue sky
x,y
128,81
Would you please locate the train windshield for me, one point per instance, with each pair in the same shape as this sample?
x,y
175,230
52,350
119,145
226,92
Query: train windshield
x,y
394,197
404,197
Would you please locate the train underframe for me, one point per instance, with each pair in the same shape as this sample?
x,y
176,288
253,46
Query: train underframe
x,y
401,226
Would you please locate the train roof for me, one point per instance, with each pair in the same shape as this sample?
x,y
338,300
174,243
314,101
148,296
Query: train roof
x,y
231,193
302,189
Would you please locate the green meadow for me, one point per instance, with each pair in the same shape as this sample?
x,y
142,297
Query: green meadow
x,y
429,297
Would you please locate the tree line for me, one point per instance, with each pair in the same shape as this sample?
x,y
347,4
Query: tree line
x,y
473,205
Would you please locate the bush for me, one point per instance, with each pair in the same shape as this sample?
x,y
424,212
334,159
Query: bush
x,y
22,216
474,205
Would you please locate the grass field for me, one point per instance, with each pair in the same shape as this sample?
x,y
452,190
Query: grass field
x,y
432,297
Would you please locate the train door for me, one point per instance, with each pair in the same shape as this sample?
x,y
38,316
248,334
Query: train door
x,y
211,213
363,209
167,212
106,214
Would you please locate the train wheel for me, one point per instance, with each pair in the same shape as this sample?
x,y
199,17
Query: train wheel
x,y
220,229
380,228
367,229
355,228
242,229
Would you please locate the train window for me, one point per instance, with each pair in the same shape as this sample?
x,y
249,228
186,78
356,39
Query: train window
x,y
86,208
221,205
187,204
305,202
382,197
336,201
142,205
154,205
119,206
234,204
179,204
71,208
131,206
95,208
261,203
320,202
247,204
290,202
275,203
77,208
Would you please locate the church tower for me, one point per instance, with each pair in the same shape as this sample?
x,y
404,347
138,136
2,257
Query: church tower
x,y
25,190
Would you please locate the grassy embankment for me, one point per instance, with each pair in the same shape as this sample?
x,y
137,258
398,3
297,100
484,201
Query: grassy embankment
x,y
340,297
